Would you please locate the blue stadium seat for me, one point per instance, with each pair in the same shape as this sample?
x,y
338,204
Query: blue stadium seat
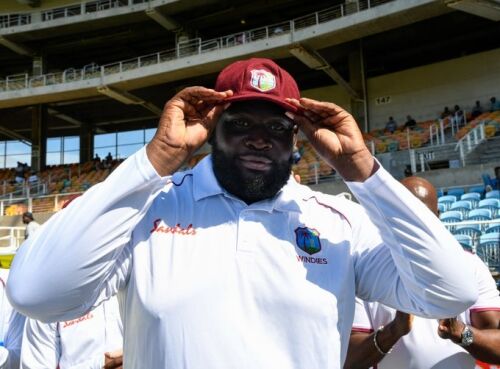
x,y
492,204
441,207
447,200
463,206
495,194
479,214
451,217
465,241
489,249
456,192
492,228
472,230
473,197
477,189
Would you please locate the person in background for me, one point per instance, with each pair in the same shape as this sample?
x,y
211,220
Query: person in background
x,y
31,225
233,264
410,122
446,113
477,110
494,104
458,115
391,125
390,339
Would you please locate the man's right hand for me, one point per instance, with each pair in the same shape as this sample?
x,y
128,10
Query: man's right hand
x,y
113,360
185,125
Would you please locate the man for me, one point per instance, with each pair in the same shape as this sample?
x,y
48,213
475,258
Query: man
x,y
410,122
390,339
234,264
76,344
391,125
31,225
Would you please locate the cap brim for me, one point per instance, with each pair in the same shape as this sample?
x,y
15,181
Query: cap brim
x,y
257,96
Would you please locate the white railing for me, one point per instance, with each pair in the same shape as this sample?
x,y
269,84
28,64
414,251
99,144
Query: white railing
x,y
186,48
11,237
470,141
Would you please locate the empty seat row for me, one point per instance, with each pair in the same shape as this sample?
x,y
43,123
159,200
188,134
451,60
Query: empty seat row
x,y
488,209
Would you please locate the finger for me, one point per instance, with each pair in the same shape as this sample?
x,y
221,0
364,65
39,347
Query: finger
x,y
203,93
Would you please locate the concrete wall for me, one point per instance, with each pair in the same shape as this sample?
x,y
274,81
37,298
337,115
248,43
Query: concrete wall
x,y
423,92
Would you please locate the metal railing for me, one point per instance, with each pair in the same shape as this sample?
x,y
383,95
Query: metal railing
x,y
11,237
183,49
470,142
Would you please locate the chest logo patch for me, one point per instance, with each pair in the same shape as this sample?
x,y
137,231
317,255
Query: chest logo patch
x,y
307,240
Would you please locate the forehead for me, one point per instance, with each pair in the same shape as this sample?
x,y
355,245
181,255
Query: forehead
x,y
256,108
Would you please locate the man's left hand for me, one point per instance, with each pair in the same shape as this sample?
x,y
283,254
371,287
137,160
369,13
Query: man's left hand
x,y
335,135
113,360
451,328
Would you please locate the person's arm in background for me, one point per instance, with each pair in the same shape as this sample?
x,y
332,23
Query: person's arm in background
x,y
81,256
362,352
484,318
398,244
13,340
41,347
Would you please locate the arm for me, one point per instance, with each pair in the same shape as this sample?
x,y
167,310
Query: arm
x,y
486,330
362,352
92,234
41,346
399,244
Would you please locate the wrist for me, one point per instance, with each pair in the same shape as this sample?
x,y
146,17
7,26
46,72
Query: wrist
x,y
164,158
357,167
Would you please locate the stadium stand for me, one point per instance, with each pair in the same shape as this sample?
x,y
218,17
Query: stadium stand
x,y
109,66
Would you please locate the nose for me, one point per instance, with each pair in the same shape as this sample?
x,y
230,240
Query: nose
x,y
257,143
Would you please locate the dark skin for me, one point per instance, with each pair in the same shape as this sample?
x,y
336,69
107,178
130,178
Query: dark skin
x,y
485,324
113,360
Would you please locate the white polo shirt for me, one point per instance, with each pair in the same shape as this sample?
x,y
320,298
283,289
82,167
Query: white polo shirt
x,y
422,348
206,281
75,344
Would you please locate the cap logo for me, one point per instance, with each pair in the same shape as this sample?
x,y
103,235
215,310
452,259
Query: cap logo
x,y
262,80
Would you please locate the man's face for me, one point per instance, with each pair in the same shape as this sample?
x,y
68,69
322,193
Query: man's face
x,y
26,220
252,149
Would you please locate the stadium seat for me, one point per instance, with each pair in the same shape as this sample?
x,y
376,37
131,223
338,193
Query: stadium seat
x,y
463,206
495,194
477,189
492,228
488,249
479,214
473,197
472,230
456,192
441,207
465,241
447,200
492,204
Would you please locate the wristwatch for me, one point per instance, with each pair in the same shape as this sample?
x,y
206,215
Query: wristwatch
x,y
467,337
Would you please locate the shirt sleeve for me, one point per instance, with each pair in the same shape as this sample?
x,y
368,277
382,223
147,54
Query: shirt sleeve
x,y
41,346
488,292
361,321
84,246
403,256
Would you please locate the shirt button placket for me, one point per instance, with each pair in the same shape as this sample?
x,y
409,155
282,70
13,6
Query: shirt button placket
x,y
245,233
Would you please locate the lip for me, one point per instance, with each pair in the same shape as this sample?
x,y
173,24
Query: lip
x,y
256,162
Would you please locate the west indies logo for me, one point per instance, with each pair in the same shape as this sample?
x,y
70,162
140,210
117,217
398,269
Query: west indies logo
x,y
262,80
307,240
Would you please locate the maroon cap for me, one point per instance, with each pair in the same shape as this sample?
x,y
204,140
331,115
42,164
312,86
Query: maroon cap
x,y
258,79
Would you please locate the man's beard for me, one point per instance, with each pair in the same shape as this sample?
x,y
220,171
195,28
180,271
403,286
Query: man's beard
x,y
257,188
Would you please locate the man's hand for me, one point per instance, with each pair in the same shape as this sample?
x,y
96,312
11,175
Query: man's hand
x,y
451,328
113,360
335,135
185,125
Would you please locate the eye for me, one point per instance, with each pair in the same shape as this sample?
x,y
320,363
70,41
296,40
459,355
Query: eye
x,y
240,123
280,127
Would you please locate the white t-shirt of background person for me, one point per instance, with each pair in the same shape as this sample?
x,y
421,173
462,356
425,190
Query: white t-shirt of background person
x,y
31,228
75,344
422,348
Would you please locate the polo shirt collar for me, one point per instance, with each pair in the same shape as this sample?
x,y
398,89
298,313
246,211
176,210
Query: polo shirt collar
x,y
206,185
